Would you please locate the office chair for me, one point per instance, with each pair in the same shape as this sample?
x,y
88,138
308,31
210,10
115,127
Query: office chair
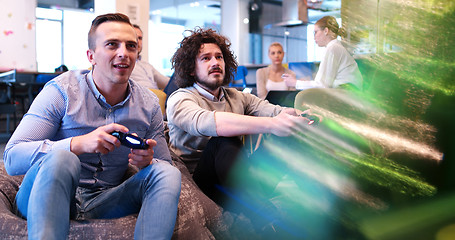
x,y
240,78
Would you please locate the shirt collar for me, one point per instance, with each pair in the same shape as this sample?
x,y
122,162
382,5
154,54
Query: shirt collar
x,y
92,86
332,42
99,96
207,94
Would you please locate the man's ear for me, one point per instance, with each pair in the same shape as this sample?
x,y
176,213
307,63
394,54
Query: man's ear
x,y
90,57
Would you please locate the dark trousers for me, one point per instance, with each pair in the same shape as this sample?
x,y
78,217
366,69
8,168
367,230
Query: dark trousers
x,y
212,171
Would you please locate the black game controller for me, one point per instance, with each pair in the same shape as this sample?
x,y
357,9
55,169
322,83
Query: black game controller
x,y
130,140
313,119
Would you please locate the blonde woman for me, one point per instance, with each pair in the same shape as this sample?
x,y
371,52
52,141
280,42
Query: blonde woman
x,y
338,68
270,78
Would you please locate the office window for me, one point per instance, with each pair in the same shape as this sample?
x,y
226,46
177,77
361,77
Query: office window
x,y
48,39
167,26
61,38
76,25
163,41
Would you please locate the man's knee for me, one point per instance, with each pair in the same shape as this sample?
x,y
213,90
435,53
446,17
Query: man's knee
x,y
61,162
165,174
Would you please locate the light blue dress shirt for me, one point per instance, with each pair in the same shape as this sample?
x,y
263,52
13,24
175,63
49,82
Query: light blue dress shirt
x,y
70,105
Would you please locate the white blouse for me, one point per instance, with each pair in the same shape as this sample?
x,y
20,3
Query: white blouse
x,y
336,68
275,86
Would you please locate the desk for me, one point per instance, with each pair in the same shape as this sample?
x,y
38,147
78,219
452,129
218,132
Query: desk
x,y
29,80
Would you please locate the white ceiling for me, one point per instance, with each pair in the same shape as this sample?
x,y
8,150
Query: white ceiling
x,y
182,9
208,12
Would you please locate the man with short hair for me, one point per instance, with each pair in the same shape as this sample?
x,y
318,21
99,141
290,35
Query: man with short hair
x,y
74,167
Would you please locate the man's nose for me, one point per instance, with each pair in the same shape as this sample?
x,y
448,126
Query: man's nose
x,y
214,61
122,51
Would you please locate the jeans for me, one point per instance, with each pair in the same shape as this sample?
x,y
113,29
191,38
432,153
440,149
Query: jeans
x,y
48,195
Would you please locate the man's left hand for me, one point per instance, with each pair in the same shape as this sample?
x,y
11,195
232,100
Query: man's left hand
x,y
142,157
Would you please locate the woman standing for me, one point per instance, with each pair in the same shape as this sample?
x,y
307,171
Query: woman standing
x,y
269,78
338,68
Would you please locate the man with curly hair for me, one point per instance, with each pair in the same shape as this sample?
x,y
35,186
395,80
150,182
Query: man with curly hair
x,y
206,120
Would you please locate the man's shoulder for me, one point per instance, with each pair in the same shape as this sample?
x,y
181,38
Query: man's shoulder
x,y
139,89
233,92
69,78
185,91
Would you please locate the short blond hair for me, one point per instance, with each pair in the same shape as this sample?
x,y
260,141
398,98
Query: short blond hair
x,y
276,44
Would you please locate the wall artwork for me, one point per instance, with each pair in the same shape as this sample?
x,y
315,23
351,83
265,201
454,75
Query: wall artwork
x,y
17,35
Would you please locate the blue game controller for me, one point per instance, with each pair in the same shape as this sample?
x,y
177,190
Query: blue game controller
x,y
130,140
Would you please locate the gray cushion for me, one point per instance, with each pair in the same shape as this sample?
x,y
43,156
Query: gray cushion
x,y
198,217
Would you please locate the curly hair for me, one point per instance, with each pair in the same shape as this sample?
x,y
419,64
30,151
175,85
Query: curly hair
x,y
184,59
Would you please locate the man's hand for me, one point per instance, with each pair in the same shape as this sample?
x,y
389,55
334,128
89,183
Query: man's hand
x,y
142,157
98,141
289,122
285,123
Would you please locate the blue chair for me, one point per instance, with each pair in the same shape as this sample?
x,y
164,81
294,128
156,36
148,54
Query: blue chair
x,y
44,78
303,69
240,78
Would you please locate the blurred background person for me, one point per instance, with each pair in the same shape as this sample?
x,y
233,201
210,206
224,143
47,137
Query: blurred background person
x,y
144,73
338,68
270,78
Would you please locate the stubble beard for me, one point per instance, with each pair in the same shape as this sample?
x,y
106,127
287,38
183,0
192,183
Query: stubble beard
x,y
212,86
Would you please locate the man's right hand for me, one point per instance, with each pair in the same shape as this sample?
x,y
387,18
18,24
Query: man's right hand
x,y
285,123
290,121
98,141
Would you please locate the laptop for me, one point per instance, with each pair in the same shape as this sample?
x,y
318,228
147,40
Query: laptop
x,y
282,98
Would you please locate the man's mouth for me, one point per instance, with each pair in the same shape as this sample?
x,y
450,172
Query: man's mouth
x,y
121,65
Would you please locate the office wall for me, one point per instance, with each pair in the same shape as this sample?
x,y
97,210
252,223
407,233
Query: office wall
x,y
17,35
136,10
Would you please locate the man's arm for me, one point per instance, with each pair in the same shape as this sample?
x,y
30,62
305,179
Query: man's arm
x,y
98,141
231,124
185,112
32,137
